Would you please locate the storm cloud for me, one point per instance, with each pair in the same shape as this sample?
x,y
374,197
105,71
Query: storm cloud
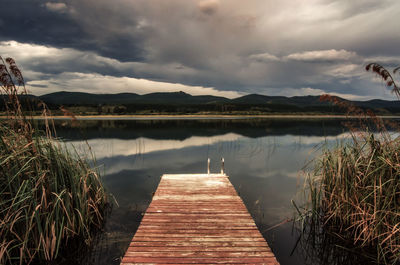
x,y
224,47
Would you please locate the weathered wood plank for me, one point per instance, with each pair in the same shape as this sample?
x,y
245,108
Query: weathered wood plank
x,y
251,234
197,219
172,263
241,260
197,238
200,262
194,228
197,249
204,244
187,225
200,254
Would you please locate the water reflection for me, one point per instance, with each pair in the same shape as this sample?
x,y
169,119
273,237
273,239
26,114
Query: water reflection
x,y
139,146
262,158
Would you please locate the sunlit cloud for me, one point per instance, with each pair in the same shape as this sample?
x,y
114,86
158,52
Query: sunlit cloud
x,y
95,83
56,7
322,56
208,7
64,62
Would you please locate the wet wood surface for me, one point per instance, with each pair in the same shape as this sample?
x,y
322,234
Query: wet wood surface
x,y
197,219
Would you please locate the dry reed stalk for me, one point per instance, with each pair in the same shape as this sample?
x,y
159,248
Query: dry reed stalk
x,y
354,189
48,195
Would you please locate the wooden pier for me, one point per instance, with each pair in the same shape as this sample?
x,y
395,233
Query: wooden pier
x,y
197,219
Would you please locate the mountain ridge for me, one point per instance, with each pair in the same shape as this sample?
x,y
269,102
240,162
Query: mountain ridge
x,y
65,97
181,102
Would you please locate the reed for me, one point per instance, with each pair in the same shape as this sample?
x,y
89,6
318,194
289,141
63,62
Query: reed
x,y
353,191
49,195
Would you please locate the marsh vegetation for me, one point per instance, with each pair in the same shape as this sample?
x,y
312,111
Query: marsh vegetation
x,y
50,197
354,189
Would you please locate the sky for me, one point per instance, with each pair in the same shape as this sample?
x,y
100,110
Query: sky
x,y
217,47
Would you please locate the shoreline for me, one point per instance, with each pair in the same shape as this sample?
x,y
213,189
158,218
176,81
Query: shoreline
x,y
202,116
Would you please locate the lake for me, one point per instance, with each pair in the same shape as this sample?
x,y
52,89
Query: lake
x,y
263,158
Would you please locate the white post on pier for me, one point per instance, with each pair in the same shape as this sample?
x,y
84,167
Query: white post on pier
x,y
222,165
208,166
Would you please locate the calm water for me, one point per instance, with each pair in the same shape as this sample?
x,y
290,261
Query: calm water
x,y
262,157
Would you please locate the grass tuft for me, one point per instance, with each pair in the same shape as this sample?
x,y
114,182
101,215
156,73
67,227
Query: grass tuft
x,y
353,194
49,195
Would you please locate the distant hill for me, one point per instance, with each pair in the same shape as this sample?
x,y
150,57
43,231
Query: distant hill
x,y
178,98
168,98
180,102
79,98
258,99
279,100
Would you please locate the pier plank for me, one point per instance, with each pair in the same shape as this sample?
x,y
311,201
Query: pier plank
x,y
197,219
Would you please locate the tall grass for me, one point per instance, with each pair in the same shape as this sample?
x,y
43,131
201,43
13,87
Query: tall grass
x,y
355,193
49,196
354,190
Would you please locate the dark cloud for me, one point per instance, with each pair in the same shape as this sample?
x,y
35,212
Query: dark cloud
x,y
28,21
36,85
261,46
356,7
72,25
